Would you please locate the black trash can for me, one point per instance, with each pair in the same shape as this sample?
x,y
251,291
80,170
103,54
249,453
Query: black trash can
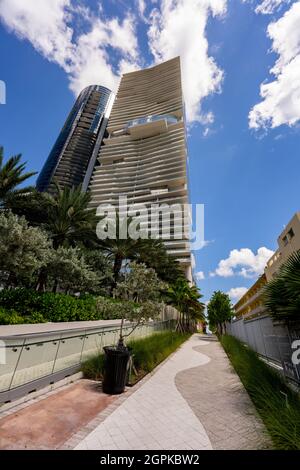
x,y
115,369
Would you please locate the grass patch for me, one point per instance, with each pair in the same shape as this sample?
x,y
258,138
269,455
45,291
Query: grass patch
x,y
150,351
147,354
93,367
277,404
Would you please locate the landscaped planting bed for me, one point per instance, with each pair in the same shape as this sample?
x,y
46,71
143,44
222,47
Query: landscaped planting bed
x,y
277,404
147,354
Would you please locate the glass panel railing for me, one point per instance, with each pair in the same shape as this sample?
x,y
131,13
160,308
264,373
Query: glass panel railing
x,y
110,337
32,357
92,345
69,352
10,356
156,117
36,360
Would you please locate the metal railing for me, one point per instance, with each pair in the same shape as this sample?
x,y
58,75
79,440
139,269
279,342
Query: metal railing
x,y
271,340
30,361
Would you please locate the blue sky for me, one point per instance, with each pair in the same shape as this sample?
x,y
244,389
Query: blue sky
x,y
245,171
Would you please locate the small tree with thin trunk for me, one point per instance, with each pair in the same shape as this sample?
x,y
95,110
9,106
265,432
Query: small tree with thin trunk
x,y
141,291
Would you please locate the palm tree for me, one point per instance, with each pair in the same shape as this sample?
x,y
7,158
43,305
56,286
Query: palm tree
x,y
11,176
282,294
32,205
119,249
69,222
153,254
150,252
196,308
186,299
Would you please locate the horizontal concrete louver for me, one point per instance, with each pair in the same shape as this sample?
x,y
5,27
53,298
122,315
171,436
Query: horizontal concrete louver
x,y
149,169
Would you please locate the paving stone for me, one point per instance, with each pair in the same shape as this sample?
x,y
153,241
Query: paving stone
x,y
232,421
194,400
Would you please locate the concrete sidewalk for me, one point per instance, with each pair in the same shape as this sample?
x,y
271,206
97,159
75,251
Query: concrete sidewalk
x,y
194,400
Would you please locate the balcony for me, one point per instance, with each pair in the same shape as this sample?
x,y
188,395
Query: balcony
x,y
150,126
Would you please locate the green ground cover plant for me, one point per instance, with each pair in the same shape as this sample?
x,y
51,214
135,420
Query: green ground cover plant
x,y
147,353
277,404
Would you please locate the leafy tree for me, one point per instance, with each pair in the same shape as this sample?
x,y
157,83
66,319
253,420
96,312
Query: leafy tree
x,y
11,176
23,249
219,311
282,293
69,270
102,267
141,291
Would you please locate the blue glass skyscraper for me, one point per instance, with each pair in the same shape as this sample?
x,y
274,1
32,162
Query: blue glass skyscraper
x,y
73,155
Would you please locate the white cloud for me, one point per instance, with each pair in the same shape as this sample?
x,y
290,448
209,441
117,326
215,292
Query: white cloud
x,y
93,48
200,276
179,28
50,27
267,7
281,98
45,26
141,5
91,62
236,293
243,263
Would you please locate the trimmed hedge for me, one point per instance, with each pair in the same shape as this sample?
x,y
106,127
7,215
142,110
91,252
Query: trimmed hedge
x,y
54,307
19,305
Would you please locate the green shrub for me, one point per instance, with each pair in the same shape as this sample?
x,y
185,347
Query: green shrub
x,y
10,317
148,353
55,307
35,317
267,390
58,307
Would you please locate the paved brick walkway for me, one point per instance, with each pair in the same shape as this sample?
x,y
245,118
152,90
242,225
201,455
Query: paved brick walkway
x,y
49,421
219,400
193,401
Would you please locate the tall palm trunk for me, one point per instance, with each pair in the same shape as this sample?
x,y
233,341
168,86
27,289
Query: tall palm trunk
x,y
116,270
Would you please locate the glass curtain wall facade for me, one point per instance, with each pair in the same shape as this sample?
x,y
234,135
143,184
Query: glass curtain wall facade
x,y
144,156
72,156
